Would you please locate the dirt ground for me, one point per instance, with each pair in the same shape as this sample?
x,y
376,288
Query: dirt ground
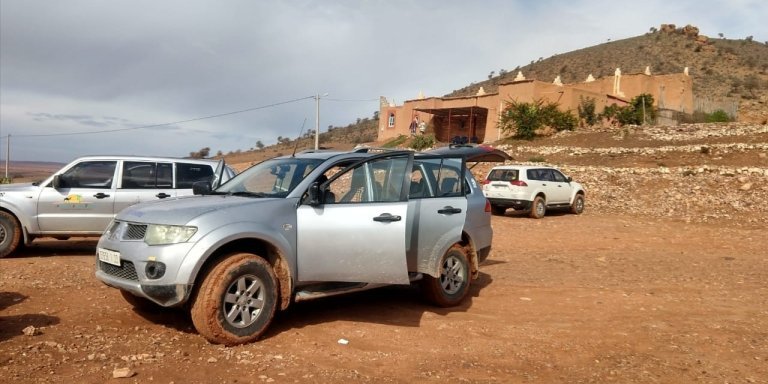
x,y
612,299
641,288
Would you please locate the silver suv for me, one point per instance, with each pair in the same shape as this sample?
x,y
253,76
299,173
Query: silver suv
x,y
301,227
534,188
83,197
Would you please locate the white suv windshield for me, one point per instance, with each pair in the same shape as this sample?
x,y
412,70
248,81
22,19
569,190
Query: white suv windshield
x,y
272,178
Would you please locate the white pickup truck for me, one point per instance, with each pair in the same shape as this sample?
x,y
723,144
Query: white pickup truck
x,y
83,197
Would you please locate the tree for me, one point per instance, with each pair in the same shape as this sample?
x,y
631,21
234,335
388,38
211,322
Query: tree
x,y
639,111
259,145
201,154
490,75
525,118
721,35
586,110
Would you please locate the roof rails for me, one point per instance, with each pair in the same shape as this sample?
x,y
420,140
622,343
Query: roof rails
x,y
375,149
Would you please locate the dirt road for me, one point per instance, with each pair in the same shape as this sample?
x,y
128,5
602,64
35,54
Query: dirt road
x,y
576,299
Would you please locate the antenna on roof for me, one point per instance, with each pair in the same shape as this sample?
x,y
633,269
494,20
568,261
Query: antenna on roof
x,y
298,138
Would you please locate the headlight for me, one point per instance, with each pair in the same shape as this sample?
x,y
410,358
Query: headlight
x,y
168,234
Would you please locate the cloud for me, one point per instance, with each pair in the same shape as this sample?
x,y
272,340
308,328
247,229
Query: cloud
x,y
80,65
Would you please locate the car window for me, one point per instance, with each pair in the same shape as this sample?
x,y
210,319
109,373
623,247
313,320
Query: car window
x,y
504,175
559,177
89,174
379,180
272,178
187,174
146,175
420,187
439,177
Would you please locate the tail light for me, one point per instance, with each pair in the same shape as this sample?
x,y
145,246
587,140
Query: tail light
x,y
486,181
519,183
487,205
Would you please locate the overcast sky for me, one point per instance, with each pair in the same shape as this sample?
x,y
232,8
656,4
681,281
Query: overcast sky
x,y
74,66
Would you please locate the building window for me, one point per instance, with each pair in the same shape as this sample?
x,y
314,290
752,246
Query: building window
x,y
391,120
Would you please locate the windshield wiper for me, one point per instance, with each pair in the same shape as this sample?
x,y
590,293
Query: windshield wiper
x,y
248,194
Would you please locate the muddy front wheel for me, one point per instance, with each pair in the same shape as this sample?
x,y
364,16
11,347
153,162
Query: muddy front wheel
x,y
236,301
450,288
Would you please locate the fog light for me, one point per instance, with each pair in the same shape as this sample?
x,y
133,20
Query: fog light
x,y
154,270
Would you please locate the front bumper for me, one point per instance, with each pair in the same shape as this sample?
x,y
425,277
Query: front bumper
x,y
169,290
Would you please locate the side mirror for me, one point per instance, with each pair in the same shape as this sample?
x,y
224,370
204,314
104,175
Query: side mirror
x,y
314,194
570,179
56,183
201,188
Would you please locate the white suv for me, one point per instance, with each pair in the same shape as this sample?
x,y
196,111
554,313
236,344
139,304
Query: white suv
x,y
532,187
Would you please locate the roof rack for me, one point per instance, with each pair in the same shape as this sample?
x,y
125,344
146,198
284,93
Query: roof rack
x,y
375,149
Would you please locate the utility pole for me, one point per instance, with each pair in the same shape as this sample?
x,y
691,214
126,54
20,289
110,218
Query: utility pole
x,y
317,122
317,119
643,98
7,155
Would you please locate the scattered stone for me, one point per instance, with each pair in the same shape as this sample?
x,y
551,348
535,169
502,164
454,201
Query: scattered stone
x,y
123,373
212,360
31,331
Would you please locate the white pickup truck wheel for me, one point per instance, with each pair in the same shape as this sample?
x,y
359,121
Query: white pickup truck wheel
x,y
10,234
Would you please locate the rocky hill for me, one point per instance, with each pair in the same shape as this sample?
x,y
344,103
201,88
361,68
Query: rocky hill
x,y
723,69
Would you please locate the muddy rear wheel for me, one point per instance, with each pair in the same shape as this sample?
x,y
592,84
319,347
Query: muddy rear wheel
x,y
538,208
236,301
10,234
450,288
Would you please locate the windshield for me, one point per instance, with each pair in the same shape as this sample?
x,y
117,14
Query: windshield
x,y
272,178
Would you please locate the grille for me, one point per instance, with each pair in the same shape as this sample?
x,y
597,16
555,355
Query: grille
x,y
125,271
135,232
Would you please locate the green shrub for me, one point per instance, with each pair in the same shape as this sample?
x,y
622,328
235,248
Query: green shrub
x,y
586,110
423,142
523,119
639,111
718,116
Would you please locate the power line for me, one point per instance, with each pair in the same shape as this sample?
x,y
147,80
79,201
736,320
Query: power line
x,y
345,100
167,124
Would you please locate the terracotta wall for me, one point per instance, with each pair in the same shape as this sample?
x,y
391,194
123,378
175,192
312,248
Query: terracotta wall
x,y
669,91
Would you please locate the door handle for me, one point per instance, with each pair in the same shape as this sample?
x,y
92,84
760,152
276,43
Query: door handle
x,y
449,210
162,195
100,195
386,217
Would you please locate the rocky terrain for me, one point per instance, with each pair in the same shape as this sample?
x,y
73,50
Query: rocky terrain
x,y
695,173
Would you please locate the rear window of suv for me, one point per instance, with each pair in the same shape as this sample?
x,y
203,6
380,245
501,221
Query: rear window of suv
x,y
187,174
503,175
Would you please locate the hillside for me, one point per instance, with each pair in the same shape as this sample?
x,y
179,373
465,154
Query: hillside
x,y
722,69
725,72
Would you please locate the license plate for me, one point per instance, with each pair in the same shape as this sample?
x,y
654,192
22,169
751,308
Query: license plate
x,y
107,256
